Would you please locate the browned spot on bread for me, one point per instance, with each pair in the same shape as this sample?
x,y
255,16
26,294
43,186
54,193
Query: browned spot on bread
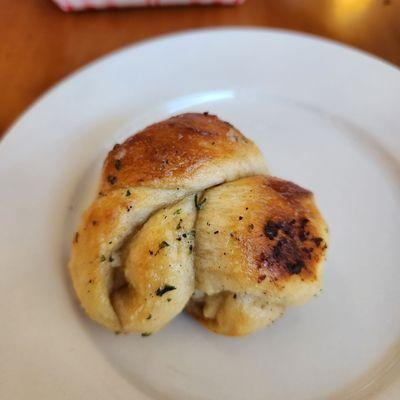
x,y
288,190
174,148
292,249
289,240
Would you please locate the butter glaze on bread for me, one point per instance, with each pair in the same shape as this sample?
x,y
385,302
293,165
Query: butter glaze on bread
x,y
184,207
189,151
260,245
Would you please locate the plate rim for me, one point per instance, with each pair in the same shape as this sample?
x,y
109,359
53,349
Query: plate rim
x,y
174,35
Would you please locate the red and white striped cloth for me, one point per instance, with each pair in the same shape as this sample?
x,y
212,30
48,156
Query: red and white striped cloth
x,y
72,5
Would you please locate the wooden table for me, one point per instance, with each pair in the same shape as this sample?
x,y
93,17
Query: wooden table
x,y
39,44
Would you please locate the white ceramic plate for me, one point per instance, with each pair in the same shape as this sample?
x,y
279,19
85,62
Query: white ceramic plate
x,y
324,115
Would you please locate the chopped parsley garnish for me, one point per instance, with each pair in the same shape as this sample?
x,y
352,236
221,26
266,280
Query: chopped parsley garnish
x,y
162,245
149,316
179,225
128,193
167,288
145,334
199,204
103,258
178,211
117,164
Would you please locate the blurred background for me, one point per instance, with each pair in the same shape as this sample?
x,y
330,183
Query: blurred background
x,y
40,44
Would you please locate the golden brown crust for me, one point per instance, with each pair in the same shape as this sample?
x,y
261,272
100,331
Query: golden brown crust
x,y
257,245
171,152
288,190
